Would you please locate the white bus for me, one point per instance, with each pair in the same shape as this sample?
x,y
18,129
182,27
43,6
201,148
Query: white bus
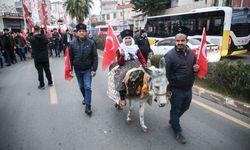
x,y
231,26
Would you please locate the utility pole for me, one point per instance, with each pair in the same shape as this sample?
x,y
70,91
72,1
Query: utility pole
x,y
123,23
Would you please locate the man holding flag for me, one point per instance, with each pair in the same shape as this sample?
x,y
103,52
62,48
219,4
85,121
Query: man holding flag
x,y
180,68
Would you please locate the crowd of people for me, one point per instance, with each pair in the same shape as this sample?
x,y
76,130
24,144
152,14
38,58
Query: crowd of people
x,y
14,46
134,51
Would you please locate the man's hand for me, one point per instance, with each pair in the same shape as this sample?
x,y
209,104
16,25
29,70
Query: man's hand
x,y
122,52
93,73
196,68
71,73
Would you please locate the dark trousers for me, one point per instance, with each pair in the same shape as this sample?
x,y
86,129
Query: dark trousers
x,y
180,102
40,66
57,47
6,55
122,94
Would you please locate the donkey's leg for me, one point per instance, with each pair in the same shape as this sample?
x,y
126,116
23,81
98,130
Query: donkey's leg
x,y
141,114
130,107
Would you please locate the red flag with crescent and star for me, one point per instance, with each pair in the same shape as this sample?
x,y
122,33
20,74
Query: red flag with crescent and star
x,y
67,66
111,47
27,17
202,56
44,17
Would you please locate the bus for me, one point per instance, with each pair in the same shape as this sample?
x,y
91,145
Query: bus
x,y
229,26
102,29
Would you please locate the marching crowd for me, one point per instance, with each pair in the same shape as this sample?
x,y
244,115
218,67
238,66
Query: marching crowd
x,y
14,46
180,63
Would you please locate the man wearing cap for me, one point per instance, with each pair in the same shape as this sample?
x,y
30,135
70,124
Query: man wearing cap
x,y
84,61
180,68
143,44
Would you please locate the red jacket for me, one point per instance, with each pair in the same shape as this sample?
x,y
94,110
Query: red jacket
x,y
121,61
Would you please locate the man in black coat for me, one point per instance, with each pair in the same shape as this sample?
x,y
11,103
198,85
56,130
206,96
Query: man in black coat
x,y
84,60
180,68
143,44
67,38
39,45
8,47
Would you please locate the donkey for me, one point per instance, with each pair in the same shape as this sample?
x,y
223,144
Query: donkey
x,y
157,91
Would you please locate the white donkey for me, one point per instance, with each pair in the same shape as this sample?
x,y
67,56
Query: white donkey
x,y
157,90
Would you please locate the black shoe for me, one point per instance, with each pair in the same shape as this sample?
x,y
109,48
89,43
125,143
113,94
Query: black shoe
x,y
88,110
180,138
170,122
41,87
50,83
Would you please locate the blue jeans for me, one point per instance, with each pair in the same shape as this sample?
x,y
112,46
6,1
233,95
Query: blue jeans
x,y
84,79
180,102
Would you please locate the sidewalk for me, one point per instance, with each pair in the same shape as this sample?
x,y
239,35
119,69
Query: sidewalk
x,y
237,106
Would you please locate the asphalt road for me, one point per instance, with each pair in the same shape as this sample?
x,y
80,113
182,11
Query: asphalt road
x,y
54,119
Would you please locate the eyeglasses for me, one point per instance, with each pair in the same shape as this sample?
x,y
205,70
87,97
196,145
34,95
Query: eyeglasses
x,y
128,38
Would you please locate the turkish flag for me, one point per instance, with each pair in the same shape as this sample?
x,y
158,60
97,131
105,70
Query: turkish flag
x,y
111,46
67,66
44,17
27,17
202,56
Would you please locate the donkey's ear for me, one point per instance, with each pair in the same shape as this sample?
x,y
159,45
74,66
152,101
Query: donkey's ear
x,y
162,63
148,71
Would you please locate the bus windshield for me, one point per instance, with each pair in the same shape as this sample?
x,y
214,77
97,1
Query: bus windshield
x,y
240,24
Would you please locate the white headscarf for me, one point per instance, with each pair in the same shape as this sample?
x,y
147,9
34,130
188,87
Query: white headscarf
x,y
131,50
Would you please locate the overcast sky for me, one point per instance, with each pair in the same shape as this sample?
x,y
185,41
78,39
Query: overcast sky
x,y
95,10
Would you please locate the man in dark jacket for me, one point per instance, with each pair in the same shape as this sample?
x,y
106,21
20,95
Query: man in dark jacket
x,y
67,38
143,44
180,68
56,40
84,59
20,43
8,47
39,45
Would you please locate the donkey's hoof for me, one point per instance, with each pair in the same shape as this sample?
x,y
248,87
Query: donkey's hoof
x,y
129,121
118,106
145,129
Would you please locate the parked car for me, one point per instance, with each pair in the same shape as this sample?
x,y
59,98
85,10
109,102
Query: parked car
x,y
163,46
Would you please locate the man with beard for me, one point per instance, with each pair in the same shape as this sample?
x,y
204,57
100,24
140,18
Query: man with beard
x,y
180,68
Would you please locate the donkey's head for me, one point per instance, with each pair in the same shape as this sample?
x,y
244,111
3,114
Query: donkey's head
x,y
158,82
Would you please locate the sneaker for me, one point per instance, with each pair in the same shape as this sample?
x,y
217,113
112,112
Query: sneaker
x,y
88,110
41,87
180,138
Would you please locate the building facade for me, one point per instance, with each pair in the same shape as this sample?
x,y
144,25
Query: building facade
x,y
10,16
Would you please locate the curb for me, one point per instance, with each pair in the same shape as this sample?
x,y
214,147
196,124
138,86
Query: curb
x,y
228,102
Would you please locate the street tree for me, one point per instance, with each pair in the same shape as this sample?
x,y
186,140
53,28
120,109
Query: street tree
x,y
150,7
78,9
